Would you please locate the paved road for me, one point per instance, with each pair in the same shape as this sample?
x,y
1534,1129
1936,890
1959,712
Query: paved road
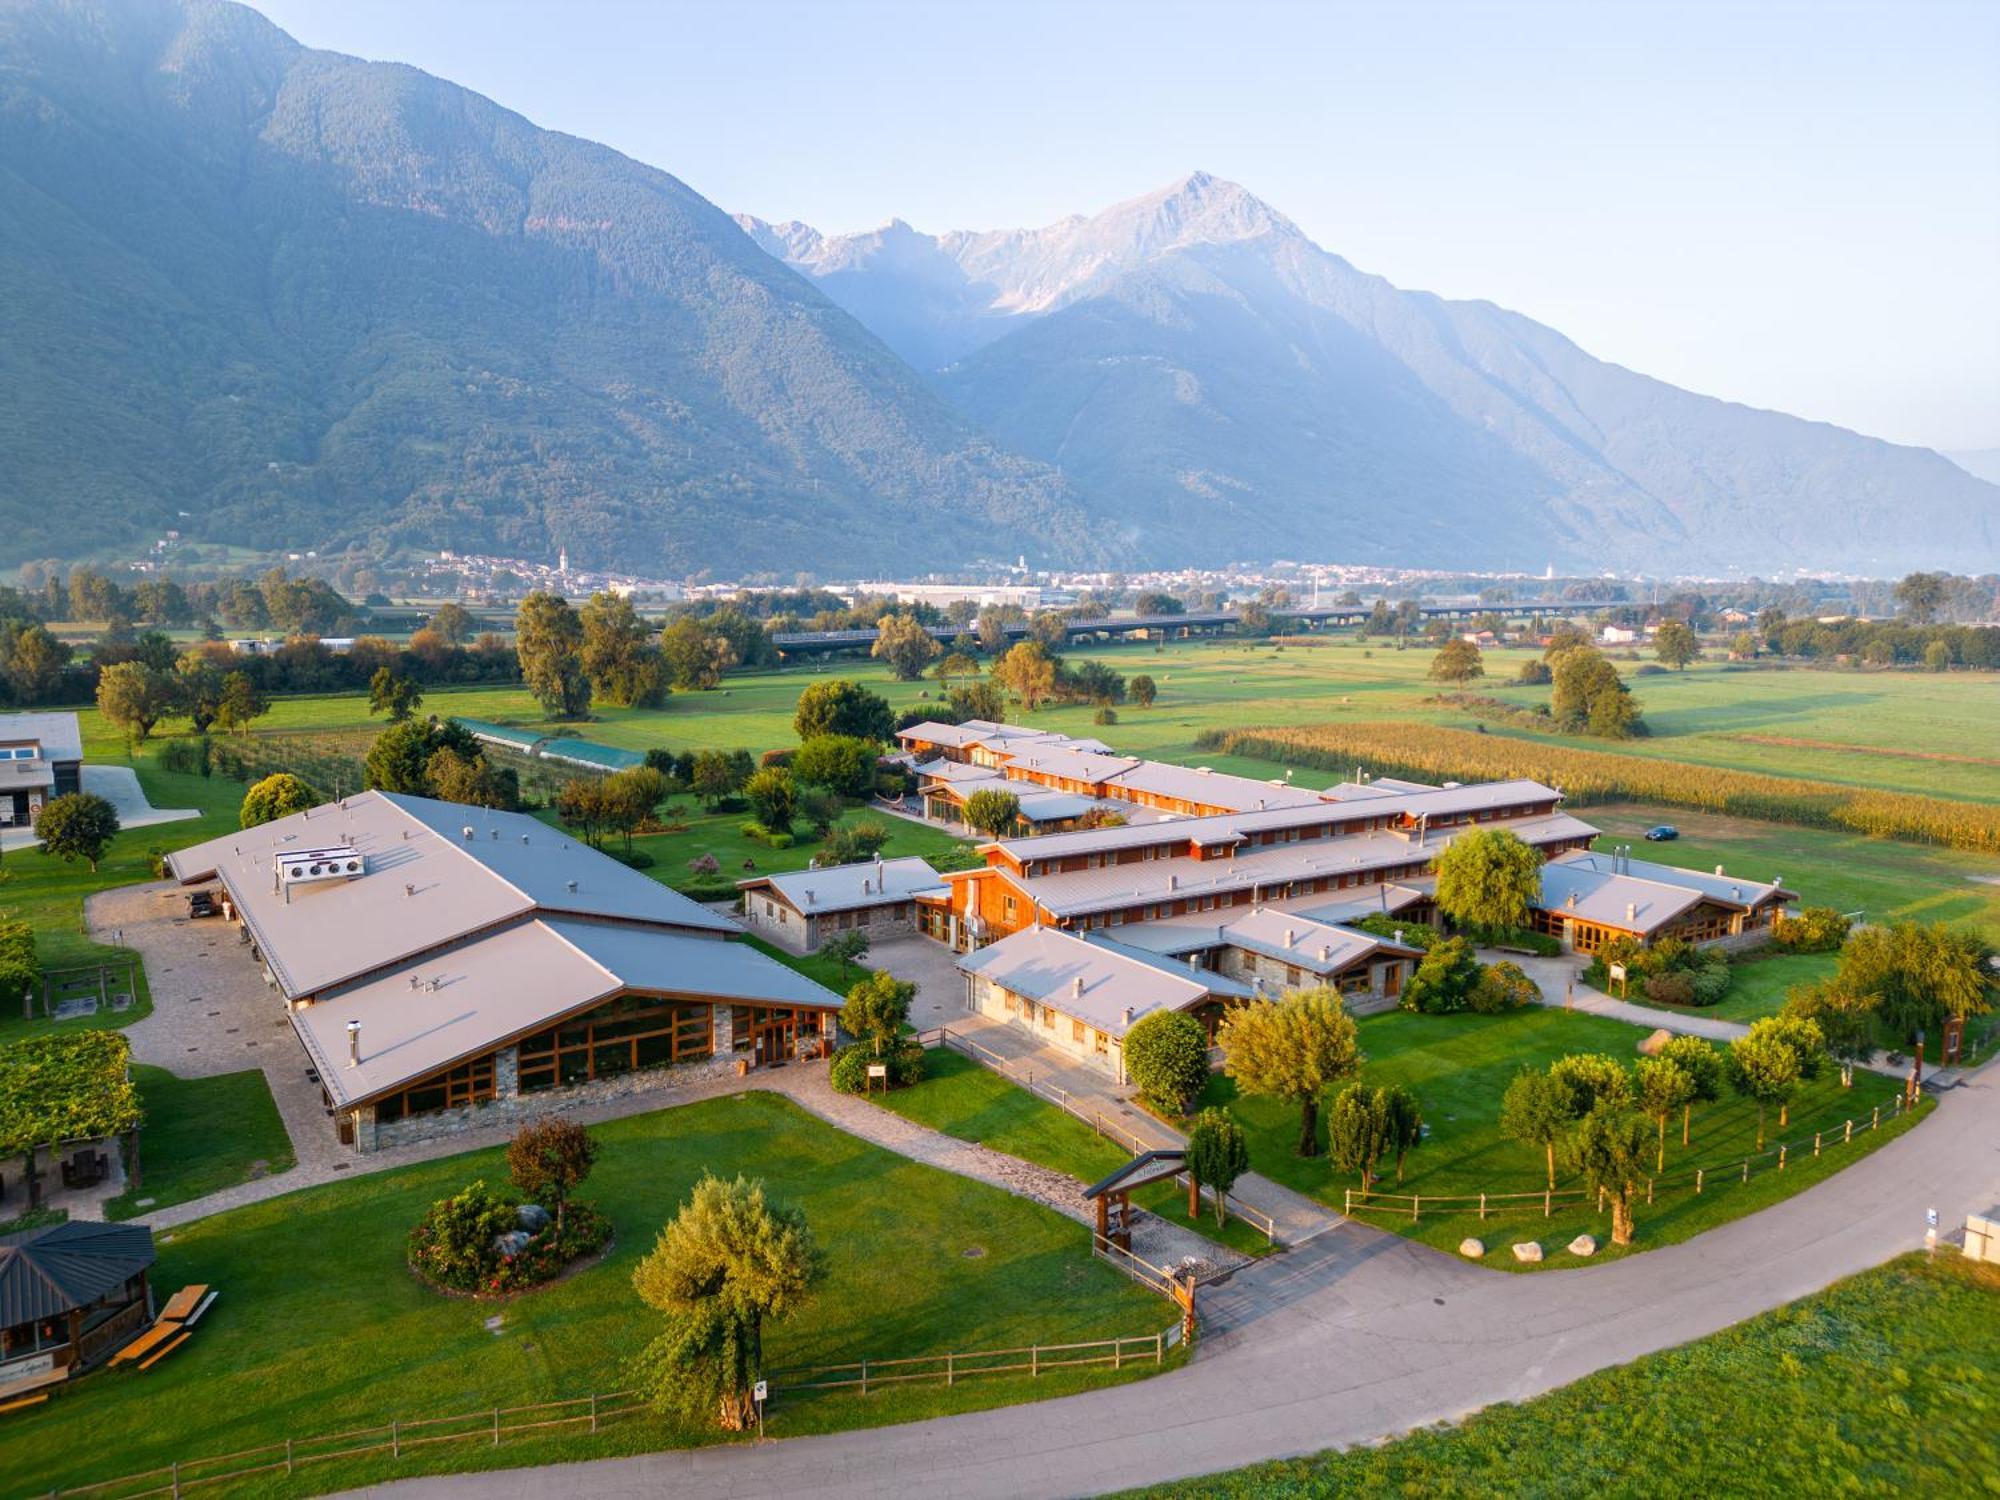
x,y
1356,1336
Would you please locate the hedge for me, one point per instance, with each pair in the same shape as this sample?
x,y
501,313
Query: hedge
x,y
68,1086
1587,776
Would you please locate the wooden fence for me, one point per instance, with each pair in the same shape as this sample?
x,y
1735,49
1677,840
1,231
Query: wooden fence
x,y
1088,1113
1414,1206
591,1413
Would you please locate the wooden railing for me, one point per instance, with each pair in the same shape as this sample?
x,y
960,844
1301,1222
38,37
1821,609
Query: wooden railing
x,y
1089,1114
1414,1206
591,1413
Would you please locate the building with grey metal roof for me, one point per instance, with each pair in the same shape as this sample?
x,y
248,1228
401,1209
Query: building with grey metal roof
x,y
801,909
70,1295
420,947
41,757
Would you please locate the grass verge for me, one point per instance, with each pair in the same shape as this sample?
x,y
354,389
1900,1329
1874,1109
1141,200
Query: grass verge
x,y
202,1135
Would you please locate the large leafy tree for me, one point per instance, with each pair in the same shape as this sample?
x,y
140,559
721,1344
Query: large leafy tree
x,y
992,812
77,825
278,795
1458,661
200,680
1919,973
839,706
1294,1050
1357,1132
843,763
1027,671
1590,1079
1764,1068
400,758
1589,697
903,642
773,797
695,654
1675,644
548,640
1488,880
242,701
1706,1072
1664,1086
1166,1054
620,655
1846,1021
728,1264
394,694
877,1008
135,697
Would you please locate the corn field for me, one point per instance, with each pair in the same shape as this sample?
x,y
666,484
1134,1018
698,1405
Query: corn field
x,y
1587,776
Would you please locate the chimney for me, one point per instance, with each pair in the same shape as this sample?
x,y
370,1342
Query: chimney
x,y
1291,937
1128,1015
353,1044
1631,911
1076,987
1325,953
1173,882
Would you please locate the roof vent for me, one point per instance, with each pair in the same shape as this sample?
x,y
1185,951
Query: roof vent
x,y
1326,953
1291,937
468,832
1736,893
353,1044
570,886
1399,936
1128,1015
524,838
1076,987
1718,869
1631,911
409,890
1173,882
494,831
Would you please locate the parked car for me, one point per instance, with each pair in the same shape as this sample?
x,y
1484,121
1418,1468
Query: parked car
x,y
1659,833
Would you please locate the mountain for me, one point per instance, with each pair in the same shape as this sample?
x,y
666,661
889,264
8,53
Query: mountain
x,y
1221,387
1982,463
281,297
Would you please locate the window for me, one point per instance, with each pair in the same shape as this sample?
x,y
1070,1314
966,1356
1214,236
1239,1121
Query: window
x,y
630,1032
468,1083
1076,1030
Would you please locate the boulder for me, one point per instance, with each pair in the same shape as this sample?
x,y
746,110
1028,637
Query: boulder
x,y
1471,1249
533,1217
1652,1045
1583,1244
1528,1254
513,1242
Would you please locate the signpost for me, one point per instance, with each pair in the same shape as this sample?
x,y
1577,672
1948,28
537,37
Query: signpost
x,y
761,1390
875,1071
1617,973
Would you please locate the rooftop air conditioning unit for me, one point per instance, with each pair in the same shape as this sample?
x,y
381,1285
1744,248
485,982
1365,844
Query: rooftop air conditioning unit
x,y
305,866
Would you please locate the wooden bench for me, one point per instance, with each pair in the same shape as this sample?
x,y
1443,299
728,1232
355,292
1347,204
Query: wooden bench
x,y
164,1350
182,1303
25,1401
150,1339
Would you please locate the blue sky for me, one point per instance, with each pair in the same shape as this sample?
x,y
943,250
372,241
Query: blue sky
x,y
1791,205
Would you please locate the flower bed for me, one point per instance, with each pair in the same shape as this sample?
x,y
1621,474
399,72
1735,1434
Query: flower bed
x,y
453,1246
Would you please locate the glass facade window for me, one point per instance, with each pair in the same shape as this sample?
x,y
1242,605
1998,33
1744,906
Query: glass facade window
x,y
630,1032
468,1083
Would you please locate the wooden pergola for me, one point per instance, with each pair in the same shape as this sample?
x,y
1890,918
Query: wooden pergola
x,y
1113,1195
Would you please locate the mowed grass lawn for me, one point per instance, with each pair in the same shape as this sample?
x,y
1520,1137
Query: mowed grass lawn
x,y
202,1135
696,834
320,1328
1459,1066
972,1103
1882,1384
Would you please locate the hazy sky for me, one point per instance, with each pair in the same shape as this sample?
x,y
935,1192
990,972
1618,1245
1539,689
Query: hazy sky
x,y
1792,205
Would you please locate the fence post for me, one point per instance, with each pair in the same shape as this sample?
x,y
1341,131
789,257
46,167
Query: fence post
x,y
950,1371
1548,1202
1872,1124
1649,1192
1034,1361
593,1411
1600,1197
1117,1354
1482,1208
1815,1143
496,1426
1697,1180
1848,1135
288,1455
395,1439
1347,1202
1746,1169
1416,1207
1781,1158
175,1468
864,1377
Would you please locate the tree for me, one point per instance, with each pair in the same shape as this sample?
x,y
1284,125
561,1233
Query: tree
x,y
1534,674
241,703
1676,645
1357,1132
1402,1122
729,1263
582,805
471,780
400,758
977,700
1664,1086
1743,646
1166,1054
1156,602
1589,697
846,948
1608,1148
877,1008
1143,690
1846,1021
548,642
1808,1044
694,654
277,796
393,694
1922,595
1218,1153
198,686
1590,1079
1028,672
548,1159
1918,973
1535,1111
844,763
1489,880
905,645
620,656
772,797
1765,1068
77,825
992,812
1706,1072
714,777
959,664
1937,656
1458,661
842,707
135,697
1295,1050
453,623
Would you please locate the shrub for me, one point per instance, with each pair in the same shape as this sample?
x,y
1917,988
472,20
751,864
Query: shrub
x,y
1710,981
1105,716
452,1245
904,1059
1670,989
757,833
1410,934
1813,929
1534,674
186,757
1501,986
1166,1054
861,839
1444,980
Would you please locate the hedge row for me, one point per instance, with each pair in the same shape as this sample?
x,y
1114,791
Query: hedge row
x,y
65,1086
1586,776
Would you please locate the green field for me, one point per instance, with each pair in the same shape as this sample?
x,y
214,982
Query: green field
x,y
202,1135
1458,1066
320,1328
1882,1384
972,1103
